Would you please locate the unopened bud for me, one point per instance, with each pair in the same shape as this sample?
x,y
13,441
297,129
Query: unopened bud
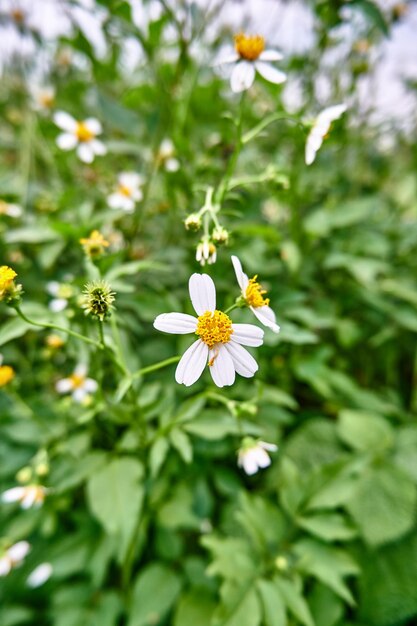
x,y
220,235
193,222
98,299
24,475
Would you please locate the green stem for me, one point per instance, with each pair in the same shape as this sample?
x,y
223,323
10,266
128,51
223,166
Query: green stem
x,y
72,333
101,333
274,117
223,186
234,306
155,366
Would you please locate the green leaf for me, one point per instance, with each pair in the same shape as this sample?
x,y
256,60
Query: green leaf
x,y
154,592
158,455
241,606
383,504
14,328
272,602
195,608
182,444
115,494
328,526
365,431
294,601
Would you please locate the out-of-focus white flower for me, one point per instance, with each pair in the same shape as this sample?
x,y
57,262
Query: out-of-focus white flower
x,y
253,455
62,293
250,57
77,384
43,97
13,557
206,252
9,209
166,156
320,128
253,294
40,575
80,135
219,343
28,496
127,193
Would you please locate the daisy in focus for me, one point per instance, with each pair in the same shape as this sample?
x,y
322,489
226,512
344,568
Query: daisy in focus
x,y
319,130
220,342
13,557
80,135
253,455
250,57
78,384
127,193
10,210
6,373
253,295
28,496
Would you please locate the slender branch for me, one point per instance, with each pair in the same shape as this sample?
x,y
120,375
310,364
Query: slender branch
x,y
274,117
155,366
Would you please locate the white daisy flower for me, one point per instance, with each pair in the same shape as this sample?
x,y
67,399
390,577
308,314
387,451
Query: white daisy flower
x,y
253,294
28,496
166,156
80,135
250,57
319,130
13,557
40,575
127,193
61,293
9,209
219,343
253,455
206,252
77,384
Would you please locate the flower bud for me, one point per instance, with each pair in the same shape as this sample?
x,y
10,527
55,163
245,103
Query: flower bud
x,y
220,235
193,222
9,291
94,245
98,299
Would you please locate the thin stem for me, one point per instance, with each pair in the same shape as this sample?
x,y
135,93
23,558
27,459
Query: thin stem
x,y
223,186
274,117
72,333
155,366
101,333
234,306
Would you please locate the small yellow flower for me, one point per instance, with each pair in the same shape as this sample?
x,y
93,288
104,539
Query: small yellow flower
x,y
94,244
7,275
54,341
6,374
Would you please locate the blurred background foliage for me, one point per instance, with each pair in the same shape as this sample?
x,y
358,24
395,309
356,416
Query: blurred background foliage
x,y
147,520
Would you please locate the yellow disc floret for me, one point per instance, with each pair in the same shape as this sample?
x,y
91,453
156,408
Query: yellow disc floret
x,y
124,190
77,380
214,327
6,374
254,294
83,132
249,47
94,244
6,278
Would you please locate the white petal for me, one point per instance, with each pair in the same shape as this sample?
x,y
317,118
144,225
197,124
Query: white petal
x,y
192,363
266,316
244,363
271,55
270,73
66,141
137,195
52,287
248,335
65,121
40,575
115,201
202,293
271,447
58,304
90,385
81,370
130,179
29,498
332,113
248,462
241,277
310,151
64,385
221,366
127,204
98,147
5,566
79,394
172,165
13,495
243,75
14,210
175,323
18,551
230,57
166,149
93,125
85,152
262,457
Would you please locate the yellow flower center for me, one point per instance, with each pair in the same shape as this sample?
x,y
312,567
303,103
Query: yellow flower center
x,y
77,380
83,132
94,244
124,191
46,100
249,47
6,277
254,294
6,374
214,328
54,341
3,207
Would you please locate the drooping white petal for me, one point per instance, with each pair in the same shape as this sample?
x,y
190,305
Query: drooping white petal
x,y
266,316
18,551
79,394
64,385
242,77
331,113
66,141
221,366
262,457
98,147
5,566
202,293
192,363
93,125
85,152
90,385
58,304
65,121
248,335
29,498
13,495
270,73
40,575
271,55
244,363
241,277
271,447
311,149
175,323
248,462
